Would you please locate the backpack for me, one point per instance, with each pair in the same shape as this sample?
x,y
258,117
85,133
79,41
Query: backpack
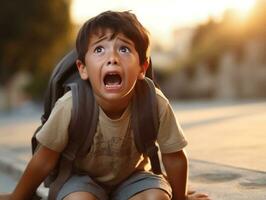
x,y
145,119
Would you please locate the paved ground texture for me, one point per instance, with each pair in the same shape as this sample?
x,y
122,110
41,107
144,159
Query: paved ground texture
x,y
227,146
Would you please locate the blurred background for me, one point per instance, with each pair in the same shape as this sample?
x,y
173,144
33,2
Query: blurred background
x,y
206,49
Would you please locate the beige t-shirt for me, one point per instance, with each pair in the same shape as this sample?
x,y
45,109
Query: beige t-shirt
x,y
113,155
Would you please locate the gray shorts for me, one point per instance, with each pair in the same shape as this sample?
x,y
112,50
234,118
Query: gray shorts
x,y
136,183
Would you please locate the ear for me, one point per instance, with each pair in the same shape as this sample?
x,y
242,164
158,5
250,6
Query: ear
x,y
143,70
82,70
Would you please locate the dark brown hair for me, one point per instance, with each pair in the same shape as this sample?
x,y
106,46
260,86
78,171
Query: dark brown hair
x,y
118,22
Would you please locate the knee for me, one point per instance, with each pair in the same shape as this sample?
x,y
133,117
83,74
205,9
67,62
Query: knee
x,y
158,195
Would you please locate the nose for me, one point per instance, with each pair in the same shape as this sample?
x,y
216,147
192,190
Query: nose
x,y
112,62
112,58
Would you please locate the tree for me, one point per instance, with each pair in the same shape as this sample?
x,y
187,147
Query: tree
x,y
34,34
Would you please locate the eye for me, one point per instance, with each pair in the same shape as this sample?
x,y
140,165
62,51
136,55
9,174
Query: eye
x,y
124,49
98,49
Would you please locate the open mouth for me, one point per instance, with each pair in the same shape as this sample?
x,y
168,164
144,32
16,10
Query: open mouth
x,y
112,80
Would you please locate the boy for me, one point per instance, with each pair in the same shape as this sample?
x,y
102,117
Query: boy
x,y
112,55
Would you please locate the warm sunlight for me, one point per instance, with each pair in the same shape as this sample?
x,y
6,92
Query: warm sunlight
x,y
241,8
160,16
186,12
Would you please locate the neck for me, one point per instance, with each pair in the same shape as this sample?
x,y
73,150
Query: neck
x,y
113,109
114,114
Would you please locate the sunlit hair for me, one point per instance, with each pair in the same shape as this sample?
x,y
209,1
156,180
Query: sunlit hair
x,y
118,22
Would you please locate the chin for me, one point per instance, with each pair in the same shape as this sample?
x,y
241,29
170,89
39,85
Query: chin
x,y
117,97
113,97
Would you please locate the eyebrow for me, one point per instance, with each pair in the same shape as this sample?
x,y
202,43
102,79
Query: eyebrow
x,y
106,37
126,41
98,41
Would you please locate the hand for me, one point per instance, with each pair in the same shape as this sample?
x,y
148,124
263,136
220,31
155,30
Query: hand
x,y
193,195
5,196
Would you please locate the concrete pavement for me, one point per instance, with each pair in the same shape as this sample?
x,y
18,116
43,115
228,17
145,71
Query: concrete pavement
x,y
229,133
227,144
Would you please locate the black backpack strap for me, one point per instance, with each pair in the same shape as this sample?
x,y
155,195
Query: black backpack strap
x,y
84,108
55,88
63,69
145,121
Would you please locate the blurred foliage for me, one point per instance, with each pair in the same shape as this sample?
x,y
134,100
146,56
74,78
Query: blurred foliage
x,y
34,35
213,39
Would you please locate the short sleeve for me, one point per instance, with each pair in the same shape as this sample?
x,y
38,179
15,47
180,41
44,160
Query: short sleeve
x,y
170,136
54,133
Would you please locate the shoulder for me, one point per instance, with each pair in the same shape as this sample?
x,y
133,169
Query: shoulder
x,y
67,97
65,100
170,136
63,104
160,96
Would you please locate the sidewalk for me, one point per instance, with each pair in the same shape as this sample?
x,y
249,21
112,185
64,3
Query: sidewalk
x,y
210,169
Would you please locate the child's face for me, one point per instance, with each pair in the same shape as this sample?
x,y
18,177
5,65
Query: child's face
x,y
112,66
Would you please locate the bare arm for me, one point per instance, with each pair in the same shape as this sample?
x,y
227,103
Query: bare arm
x,y
40,165
176,166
